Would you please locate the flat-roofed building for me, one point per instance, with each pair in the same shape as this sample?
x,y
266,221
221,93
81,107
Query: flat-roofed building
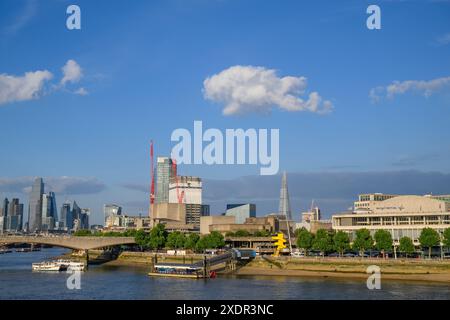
x,y
401,215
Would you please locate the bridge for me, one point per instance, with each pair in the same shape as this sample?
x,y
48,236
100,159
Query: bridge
x,y
70,242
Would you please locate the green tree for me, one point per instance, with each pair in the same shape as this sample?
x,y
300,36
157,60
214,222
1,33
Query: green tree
x,y
383,241
241,233
202,244
446,239
304,239
142,238
82,233
406,246
429,238
176,240
322,241
216,240
229,234
158,236
363,241
341,242
191,241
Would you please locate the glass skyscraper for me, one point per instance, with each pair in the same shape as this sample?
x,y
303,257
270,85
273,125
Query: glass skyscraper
x,y
35,206
164,172
49,211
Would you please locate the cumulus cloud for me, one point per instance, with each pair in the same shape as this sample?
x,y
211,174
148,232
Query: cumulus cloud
x,y
64,184
21,88
244,89
72,72
424,87
32,84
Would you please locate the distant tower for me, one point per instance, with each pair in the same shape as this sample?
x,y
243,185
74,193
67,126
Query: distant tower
x,y
285,206
35,206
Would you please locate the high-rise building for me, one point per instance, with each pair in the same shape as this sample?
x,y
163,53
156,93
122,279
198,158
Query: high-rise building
x,y
285,206
111,210
84,219
164,171
76,216
15,216
49,211
4,214
35,206
66,217
241,211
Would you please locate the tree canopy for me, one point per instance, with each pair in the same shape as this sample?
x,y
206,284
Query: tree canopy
x,y
429,238
363,240
341,242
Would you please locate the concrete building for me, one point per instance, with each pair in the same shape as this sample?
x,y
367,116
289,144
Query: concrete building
x,y
173,216
401,215
241,211
226,224
125,222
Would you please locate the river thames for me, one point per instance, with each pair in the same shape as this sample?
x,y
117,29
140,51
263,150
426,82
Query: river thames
x,y
17,281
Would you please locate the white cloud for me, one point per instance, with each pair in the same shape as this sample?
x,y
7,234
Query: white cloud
x,y
27,87
81,92
427,88
72,72
256,89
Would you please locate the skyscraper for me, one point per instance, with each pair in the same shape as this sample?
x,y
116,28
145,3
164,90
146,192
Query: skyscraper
x,y
66,216
49,211
15,216
111,210
164,171
3,215
35,206
285,206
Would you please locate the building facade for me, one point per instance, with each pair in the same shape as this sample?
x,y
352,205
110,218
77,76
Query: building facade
x,y
165,169
401,215
35,206
111,210
241,211
49,211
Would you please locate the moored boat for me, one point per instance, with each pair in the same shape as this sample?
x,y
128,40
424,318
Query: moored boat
x,y
48,266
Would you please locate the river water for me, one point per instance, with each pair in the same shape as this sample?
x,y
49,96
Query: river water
x,y
17,281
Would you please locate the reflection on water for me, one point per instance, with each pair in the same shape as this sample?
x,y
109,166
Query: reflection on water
x,y
113,282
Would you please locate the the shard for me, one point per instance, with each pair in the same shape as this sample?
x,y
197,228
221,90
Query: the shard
x,y
285,206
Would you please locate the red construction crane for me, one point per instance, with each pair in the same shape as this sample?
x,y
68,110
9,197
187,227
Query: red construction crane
x,y
152,176
180,196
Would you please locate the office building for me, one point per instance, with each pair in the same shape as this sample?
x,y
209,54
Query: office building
x,y
241,211
66,219
35,206
3,214
14,219
165,169
111,210
49,211
401,215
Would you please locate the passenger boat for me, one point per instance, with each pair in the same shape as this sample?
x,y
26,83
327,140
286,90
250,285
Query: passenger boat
x,y
23,250
48,266
177,270
72,265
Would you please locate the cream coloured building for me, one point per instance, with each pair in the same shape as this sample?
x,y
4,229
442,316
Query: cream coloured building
x,y
402,215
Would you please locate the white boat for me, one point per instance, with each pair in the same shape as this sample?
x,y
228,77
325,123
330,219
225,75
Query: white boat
x,y
72,265
48,266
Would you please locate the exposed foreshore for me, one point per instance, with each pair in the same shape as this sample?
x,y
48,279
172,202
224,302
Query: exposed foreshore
x,y
401,269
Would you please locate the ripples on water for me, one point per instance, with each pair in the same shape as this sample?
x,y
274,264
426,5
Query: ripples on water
x,y
109,282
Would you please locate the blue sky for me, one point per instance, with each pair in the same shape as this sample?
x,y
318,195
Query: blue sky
x,y
143,67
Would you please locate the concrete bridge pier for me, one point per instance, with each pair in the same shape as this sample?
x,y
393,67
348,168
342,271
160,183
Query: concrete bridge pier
x,y
86,256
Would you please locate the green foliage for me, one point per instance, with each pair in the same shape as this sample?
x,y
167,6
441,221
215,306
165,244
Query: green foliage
x,y
242,233
229,234
383,241
176,240
429,238
141,237
341,242
406,246
446,239
363,240
82,233
191,241
211,241
158,236
322,241
304,239
261,233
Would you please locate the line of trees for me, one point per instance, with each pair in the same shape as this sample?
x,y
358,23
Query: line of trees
x,y
159,238
245,233
326,241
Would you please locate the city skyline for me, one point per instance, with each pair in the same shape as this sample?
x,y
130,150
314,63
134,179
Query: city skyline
x,y
375,128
